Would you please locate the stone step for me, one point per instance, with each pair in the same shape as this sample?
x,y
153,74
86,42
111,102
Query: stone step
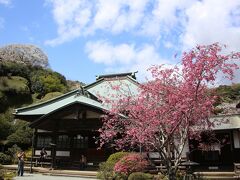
x,y
222,174
218,177
70,175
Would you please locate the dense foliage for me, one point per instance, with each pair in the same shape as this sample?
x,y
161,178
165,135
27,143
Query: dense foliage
x,y
5,159
46,81
105,171
140,176
114,158
50,95
6,124
30,79
228,93
1,172
22,135
12,151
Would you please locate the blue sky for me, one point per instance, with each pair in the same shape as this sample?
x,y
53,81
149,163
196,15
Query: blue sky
x,y
84,38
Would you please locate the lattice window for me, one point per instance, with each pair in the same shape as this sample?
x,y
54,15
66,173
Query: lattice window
x,y
43,141
63,141
80,141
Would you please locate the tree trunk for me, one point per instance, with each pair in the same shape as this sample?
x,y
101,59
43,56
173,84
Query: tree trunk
x,y
172,173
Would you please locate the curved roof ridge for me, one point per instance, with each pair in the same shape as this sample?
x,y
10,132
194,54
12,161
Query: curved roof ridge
x,y
99,80
131,74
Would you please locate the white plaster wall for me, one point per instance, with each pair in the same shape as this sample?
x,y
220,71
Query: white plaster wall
x,y
41,130
63,153
185,150
236,138
37,153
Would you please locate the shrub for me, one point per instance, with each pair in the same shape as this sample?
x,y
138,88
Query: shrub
x,y
140,176
5,159
105,171
1,172
131,163
46,81
114,158
22,135
160,176
50,95
106,168
12,151
28,153
118,176
180,175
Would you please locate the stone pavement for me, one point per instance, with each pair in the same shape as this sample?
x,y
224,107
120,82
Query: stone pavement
x,y
28,176
56,172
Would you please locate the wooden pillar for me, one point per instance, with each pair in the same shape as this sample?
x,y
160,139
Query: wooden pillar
x,y
71,136
33,149
54,144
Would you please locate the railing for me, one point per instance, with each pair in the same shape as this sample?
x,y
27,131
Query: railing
x,y
237,169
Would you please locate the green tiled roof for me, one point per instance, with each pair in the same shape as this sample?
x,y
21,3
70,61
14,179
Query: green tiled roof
x,y
54,104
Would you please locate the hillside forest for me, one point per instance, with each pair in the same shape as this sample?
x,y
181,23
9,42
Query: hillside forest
x,y
26,78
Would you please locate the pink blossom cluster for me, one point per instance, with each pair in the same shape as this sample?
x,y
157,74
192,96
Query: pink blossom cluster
x,y
131,163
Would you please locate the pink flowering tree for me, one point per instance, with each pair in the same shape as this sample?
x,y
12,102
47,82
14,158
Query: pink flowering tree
x,y
169,109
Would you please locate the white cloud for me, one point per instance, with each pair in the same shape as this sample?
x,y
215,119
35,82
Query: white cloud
x,y
71,17
119,15
124,57
164,17
190,22
177,24
77,18
104,52
5,2
213,21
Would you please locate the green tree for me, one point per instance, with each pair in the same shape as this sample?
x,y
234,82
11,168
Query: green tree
x,y
22,135
3,101
14,69
51,95
228,93
6,124
46,81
